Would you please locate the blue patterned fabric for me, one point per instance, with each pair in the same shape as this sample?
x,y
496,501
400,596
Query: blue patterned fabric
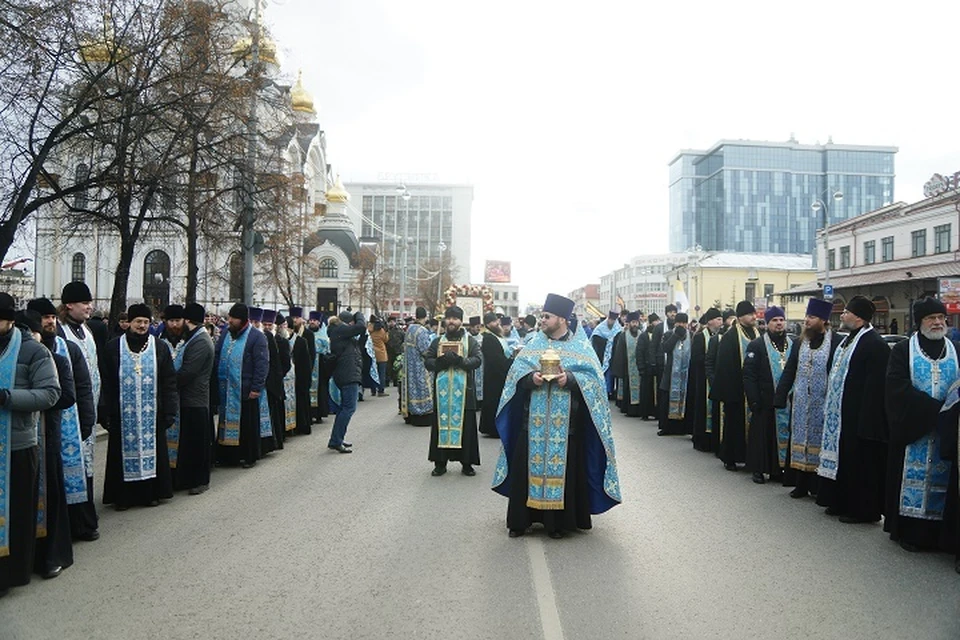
x,y
290,392
577,358
89,348
322,343
374,372
478,378
266,425
833,407
416,391
782,416
633,372
679,377
451,390
333,391
512,340
608,332
8,377
138,411
173,432
926,475
71,444
809,398
229,376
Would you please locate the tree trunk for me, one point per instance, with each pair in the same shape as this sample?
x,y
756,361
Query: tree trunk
x,y
118,301
193,264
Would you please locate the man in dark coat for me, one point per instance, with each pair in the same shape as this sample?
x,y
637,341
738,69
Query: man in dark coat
x,y
30,386
453,357
141,400
806,385
627,367
496,363
347,373
703,425
193,361
854,454
677,393
303,351
727,385
649,383
920,373
242,377
768,437
279,350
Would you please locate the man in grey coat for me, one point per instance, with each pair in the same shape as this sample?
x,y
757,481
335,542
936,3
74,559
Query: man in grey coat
x,y
28,385
193,360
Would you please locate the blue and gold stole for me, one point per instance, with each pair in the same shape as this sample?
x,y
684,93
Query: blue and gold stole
x,y
478,372
230,377
808,398
923,491
322,343
633,373
451,390
71,444
173,432
833,407
290,390
138,410
744,342
89,348
374,372
778,361
679,376
548,426
417,388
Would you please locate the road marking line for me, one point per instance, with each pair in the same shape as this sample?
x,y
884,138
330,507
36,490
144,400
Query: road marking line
x,y
543,585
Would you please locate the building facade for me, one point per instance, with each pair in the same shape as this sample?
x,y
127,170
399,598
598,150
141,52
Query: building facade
x,y
506,299
894,255
722,280
756,197
586,301
640,285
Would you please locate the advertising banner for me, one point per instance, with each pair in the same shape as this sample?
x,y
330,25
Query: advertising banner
x,y
497,271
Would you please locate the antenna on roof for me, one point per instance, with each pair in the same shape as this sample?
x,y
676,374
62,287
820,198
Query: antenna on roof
x,y
829,139
792,138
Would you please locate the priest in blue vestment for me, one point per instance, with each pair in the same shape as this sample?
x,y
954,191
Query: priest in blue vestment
x,y
416,397
920,374
141,401
602,340
557,465
676,393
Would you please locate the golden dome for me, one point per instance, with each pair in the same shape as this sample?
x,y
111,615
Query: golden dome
x,y
300,99
268,49
102,50
337,193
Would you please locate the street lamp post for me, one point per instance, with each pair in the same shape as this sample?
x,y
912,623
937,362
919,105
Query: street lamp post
x,y
249,175
405,195
817,205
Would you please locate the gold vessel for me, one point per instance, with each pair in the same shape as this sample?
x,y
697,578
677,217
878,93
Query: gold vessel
x,y
550,365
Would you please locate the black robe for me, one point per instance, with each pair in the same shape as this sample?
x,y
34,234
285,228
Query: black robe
x,y
670,426
618,365
702,441
496,364
648,380
144,492
859,488
728,388
762,447
715,407
469,451
912,414
195,450
303,371
949,450
56,548
322,409
275,394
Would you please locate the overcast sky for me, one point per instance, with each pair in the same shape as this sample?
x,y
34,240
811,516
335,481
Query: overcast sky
x,y
564,115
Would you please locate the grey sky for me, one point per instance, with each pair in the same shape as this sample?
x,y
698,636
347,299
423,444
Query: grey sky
x,y
564,114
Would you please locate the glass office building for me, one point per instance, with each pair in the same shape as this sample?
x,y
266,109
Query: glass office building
x,y
755,197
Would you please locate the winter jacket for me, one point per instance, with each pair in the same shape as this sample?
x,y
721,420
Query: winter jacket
x,y
346,349
36,388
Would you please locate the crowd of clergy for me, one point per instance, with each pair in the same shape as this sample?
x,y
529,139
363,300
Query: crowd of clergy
x,y
866,428
175,398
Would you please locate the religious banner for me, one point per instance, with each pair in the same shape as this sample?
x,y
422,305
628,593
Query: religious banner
x,y
465,292
950,294
497,271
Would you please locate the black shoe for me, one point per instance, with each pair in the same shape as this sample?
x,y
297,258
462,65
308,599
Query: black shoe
x,y
89,537
661,432
758,478
912,548
468,470
438,471
340,449
556,535
249,465
853,520
347,444
832,511
516,533
52,573
121,507
730,466
195,491
798,493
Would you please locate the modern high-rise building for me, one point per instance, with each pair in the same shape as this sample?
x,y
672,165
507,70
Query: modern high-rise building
x,y
749,196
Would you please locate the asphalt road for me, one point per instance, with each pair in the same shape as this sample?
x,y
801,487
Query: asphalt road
x,y
315,544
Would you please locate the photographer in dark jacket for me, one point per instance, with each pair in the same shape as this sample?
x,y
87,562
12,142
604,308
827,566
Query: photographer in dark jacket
x,y
347,373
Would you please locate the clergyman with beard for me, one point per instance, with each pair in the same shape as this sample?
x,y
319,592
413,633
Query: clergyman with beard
x,y
727,386
453,357
497,358
804,385
920,372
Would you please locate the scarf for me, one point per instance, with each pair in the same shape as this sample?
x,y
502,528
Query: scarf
x,y
778,361
138,410
230,377
451,389
71,444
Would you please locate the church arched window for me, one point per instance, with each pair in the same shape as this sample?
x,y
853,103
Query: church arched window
x,y
78,271
328,268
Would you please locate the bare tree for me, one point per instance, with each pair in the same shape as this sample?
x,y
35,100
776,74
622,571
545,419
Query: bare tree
x,y
435,278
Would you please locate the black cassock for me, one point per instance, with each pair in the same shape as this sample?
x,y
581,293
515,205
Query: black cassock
x,y
912,414
195,450
671,426
714,407
322,408
762,448
143,492
947,427
702,441
469,451
858,491
303,371
728,389
496,364
618,364
648,381
279,365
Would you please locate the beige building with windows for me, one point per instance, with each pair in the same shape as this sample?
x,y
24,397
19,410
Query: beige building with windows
x,y
723,279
